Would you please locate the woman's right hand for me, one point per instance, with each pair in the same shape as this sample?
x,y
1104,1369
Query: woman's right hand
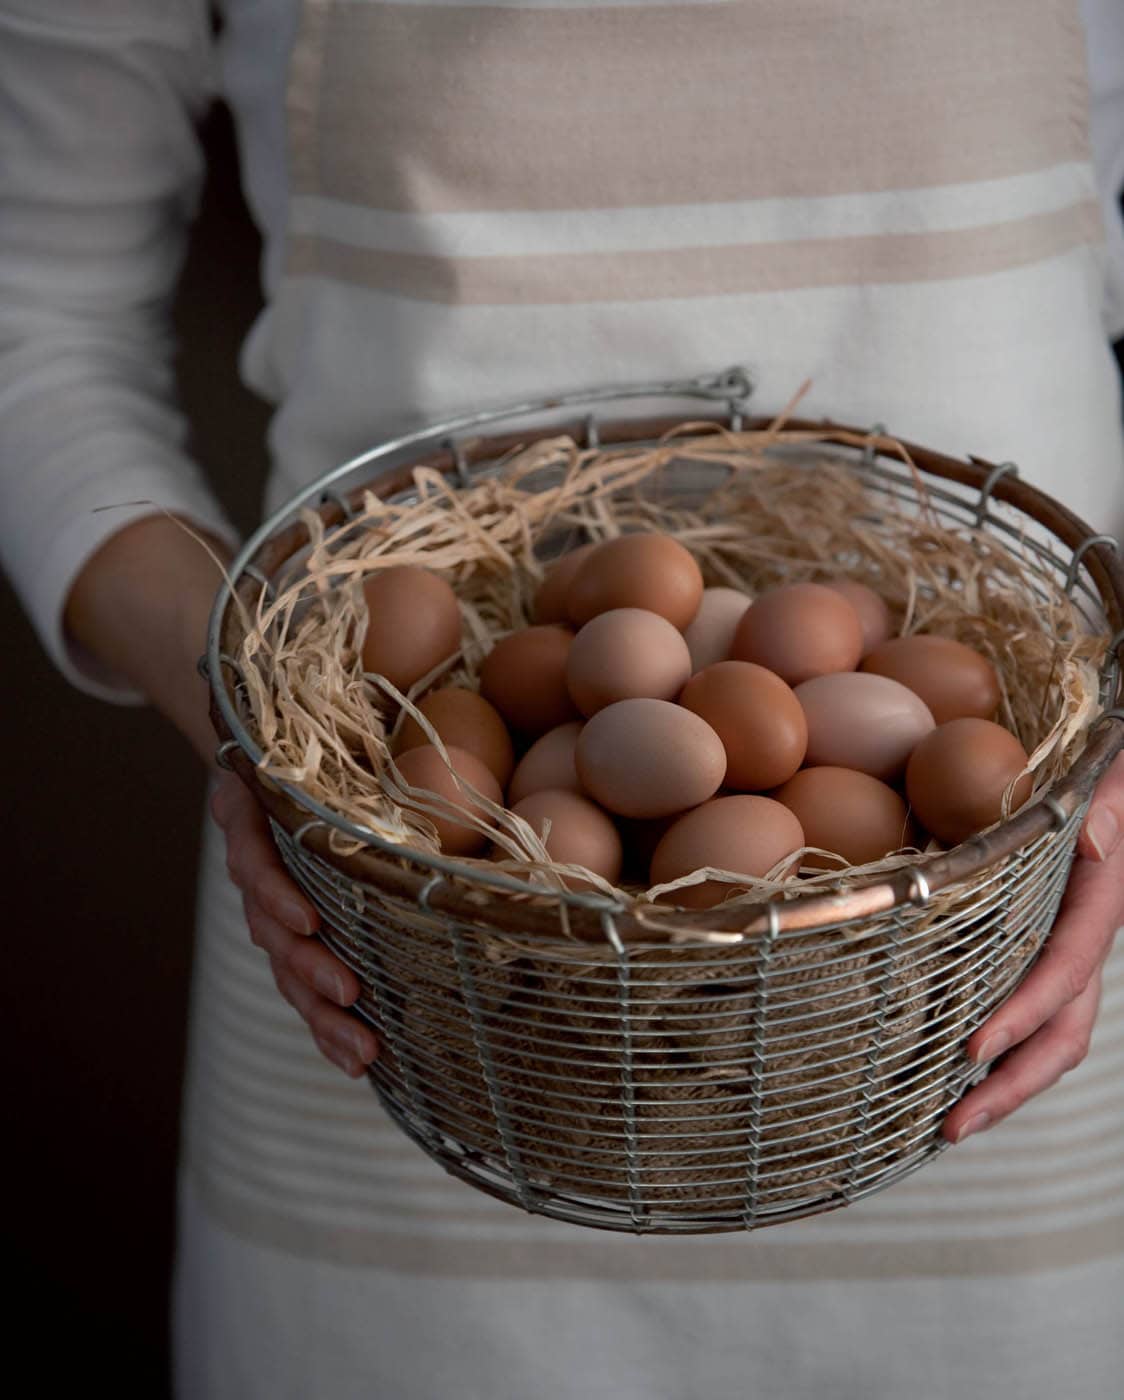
x,y
282,922
141,605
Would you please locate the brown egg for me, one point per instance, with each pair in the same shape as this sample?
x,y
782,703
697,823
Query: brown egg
x,y
465,721
952,679
958,774
869,723
424,768
745,835
653,572
758,718
874,615
524,677
799,631
580,833
710,635
414,623
849,813
649,758
626,654
550,600
548,763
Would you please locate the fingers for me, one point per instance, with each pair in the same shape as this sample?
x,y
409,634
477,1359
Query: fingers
x,y
1104,823
1044,1029
1059,1046
280,918
1092,909
252,858
307,959
341,1038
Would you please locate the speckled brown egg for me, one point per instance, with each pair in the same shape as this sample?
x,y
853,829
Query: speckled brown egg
x,y
710,635
580,833
414,623
647,571
626,654
524,677
952,679
758,718
745,835
869,723
424,768
464,720
800,631
874,614
550,600
548,763
850,813
958,774
649,758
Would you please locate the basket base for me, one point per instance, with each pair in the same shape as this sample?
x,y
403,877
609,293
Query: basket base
x,y
488,1174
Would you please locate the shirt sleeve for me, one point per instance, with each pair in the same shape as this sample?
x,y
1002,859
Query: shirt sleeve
x,y
101,170
1104,29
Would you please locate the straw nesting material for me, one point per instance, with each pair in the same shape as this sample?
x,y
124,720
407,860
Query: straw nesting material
x,y
758,521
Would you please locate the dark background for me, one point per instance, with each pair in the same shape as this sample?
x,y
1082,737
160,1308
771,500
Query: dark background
x,y
103,814
103,811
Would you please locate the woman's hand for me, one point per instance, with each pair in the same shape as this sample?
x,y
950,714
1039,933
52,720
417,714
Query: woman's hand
x,y
1045,1027
141,604
281,922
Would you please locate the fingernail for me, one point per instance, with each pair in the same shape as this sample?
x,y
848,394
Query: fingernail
x,y
294,915
993,1047
329,984
1103,832
352,1041
340,1058
973,1125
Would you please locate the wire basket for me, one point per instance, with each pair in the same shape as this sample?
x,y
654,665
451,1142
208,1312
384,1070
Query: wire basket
x,y
740,1066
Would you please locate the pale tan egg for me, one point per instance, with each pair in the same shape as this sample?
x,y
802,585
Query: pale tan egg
x,y
874,614
742,834
758,718
869,723
550,600
548,763
850,813
424,768
710,635
952,679
647,571
626,654
800,631
649,758
524,677
464,720
579,832
413,624
958,774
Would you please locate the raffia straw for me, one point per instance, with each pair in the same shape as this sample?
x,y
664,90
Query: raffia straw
x,y
325,725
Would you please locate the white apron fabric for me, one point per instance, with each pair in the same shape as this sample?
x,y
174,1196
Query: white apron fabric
x,y
483,202
322,1254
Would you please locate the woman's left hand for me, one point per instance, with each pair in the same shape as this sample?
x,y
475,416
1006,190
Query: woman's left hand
x,y
1045,1028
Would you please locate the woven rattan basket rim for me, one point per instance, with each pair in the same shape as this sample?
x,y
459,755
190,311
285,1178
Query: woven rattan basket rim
x,y
460,893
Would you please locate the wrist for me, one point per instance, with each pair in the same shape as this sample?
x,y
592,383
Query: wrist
x,y
141,605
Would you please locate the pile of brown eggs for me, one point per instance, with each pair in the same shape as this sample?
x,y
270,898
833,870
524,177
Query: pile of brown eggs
x,y
648,727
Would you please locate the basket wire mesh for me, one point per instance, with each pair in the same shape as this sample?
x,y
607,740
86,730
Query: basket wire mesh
x,y
725,1081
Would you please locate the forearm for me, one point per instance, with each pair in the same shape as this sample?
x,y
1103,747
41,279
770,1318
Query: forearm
x,y
141,605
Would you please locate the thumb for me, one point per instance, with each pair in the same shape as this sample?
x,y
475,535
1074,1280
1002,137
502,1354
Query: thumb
x,y
1104,823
